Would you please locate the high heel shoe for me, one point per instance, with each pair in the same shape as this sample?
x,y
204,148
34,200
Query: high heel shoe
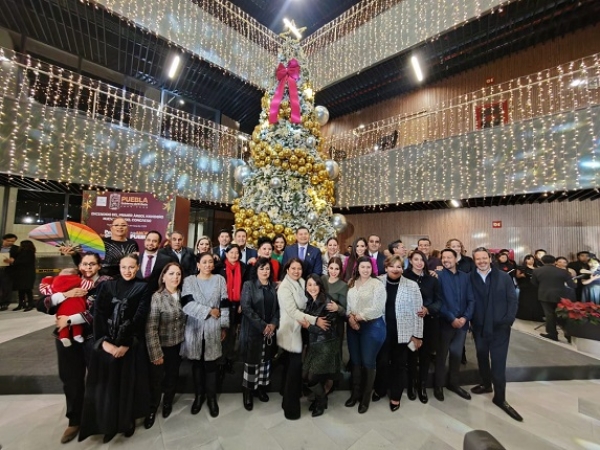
x,y
394,407
198,402
130,431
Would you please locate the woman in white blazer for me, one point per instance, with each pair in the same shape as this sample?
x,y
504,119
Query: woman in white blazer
x,y
292,301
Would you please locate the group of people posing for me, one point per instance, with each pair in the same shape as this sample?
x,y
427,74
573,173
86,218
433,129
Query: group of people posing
x,y
148,310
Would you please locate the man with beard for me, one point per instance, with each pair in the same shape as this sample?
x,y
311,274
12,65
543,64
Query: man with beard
x,y
456,312
151,261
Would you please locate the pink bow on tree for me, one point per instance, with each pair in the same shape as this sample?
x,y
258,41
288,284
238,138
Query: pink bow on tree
x,y
289,75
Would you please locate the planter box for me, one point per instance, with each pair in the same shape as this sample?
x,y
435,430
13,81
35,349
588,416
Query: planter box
x,y
584,330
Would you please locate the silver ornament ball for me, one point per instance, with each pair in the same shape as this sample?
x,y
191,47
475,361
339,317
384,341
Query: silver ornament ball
x,y
312,217
338,222
242,173
311,141
322,114
333,169
275,183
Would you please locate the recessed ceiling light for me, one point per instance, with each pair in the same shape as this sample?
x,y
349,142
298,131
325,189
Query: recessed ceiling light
x,y
455,203
174,66
417,67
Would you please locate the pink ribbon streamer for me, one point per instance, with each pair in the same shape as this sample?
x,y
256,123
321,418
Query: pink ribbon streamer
x,y
289,75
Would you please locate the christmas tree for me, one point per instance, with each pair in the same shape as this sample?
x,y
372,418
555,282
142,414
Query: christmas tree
x,y
288,181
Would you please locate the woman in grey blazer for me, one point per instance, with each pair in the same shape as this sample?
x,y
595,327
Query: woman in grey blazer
x,y
164,335
204,297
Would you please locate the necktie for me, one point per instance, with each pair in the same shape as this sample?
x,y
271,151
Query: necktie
x,y
223,254
148,269
301,251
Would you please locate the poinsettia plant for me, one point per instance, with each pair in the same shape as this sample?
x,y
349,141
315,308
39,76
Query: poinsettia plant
x,y
581,312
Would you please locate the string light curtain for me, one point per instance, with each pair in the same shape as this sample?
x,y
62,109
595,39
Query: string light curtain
x,y
214,30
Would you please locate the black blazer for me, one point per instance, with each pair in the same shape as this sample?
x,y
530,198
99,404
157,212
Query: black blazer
x,y
380,263
161,261
188,259
550,281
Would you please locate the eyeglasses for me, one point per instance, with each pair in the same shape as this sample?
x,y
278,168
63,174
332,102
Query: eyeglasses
x,y
89,264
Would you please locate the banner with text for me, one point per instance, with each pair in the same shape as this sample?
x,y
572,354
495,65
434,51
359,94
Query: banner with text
x,y
142,211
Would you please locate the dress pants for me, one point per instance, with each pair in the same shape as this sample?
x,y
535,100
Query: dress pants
x,y
431,337
164,377
72,367
5,285
550,314
494,348
292,384
452,341
399,354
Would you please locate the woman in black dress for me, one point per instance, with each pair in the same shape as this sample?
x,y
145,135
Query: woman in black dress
x,y
530,307
117,384
323,357
23,273
260,319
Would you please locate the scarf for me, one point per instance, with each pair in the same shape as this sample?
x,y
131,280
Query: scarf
x,y
233,277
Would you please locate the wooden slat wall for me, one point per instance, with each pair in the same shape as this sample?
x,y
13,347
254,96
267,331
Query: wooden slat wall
x,y
559,228
559,51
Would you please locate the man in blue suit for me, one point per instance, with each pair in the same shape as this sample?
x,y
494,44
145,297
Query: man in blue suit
x,y
308,254
456,313
247,255
494,313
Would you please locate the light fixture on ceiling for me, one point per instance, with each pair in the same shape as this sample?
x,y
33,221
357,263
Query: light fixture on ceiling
x,y
174,66
577,82
181,102
455,203
417,68
292,27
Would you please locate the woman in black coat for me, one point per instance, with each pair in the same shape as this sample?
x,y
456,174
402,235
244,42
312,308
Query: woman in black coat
x,y
260,319
23,274
117,384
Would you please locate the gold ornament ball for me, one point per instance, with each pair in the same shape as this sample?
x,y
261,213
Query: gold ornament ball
x,y
302,170
235,208
288,230
247,223
277,162
271,235
309,167
268,227
255,234
294,167
290,239
293,159
314,180
301,161
278,228
285,165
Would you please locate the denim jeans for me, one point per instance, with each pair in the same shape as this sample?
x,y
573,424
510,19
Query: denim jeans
x,y
365,343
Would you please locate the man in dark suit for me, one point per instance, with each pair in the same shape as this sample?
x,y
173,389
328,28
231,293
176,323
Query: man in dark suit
x,y
308,254
550,281
185,255
224,239
583,262
247,255
493,315
8,253
374,244
151,261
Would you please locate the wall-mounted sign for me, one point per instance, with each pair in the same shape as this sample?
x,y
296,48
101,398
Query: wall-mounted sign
x,y
497,224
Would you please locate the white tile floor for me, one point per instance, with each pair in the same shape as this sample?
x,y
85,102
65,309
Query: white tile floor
x,y
550,410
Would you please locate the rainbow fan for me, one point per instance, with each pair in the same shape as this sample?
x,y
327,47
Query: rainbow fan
x,y
69,234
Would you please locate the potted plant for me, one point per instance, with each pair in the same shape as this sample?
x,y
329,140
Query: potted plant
x,y
579,319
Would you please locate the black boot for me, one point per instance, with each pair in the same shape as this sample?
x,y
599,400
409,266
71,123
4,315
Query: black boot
x,y
261,393
422,391
366,397
248,399
211,393
320,403
411,391
167,404
213,406
198,377
19,307
356,383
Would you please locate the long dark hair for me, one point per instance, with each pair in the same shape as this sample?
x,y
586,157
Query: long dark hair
x,y
423,257
356,275
352,259
161,283
27,246
289,263
322,292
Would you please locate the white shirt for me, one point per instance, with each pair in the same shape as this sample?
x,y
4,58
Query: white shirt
x,y
484,275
